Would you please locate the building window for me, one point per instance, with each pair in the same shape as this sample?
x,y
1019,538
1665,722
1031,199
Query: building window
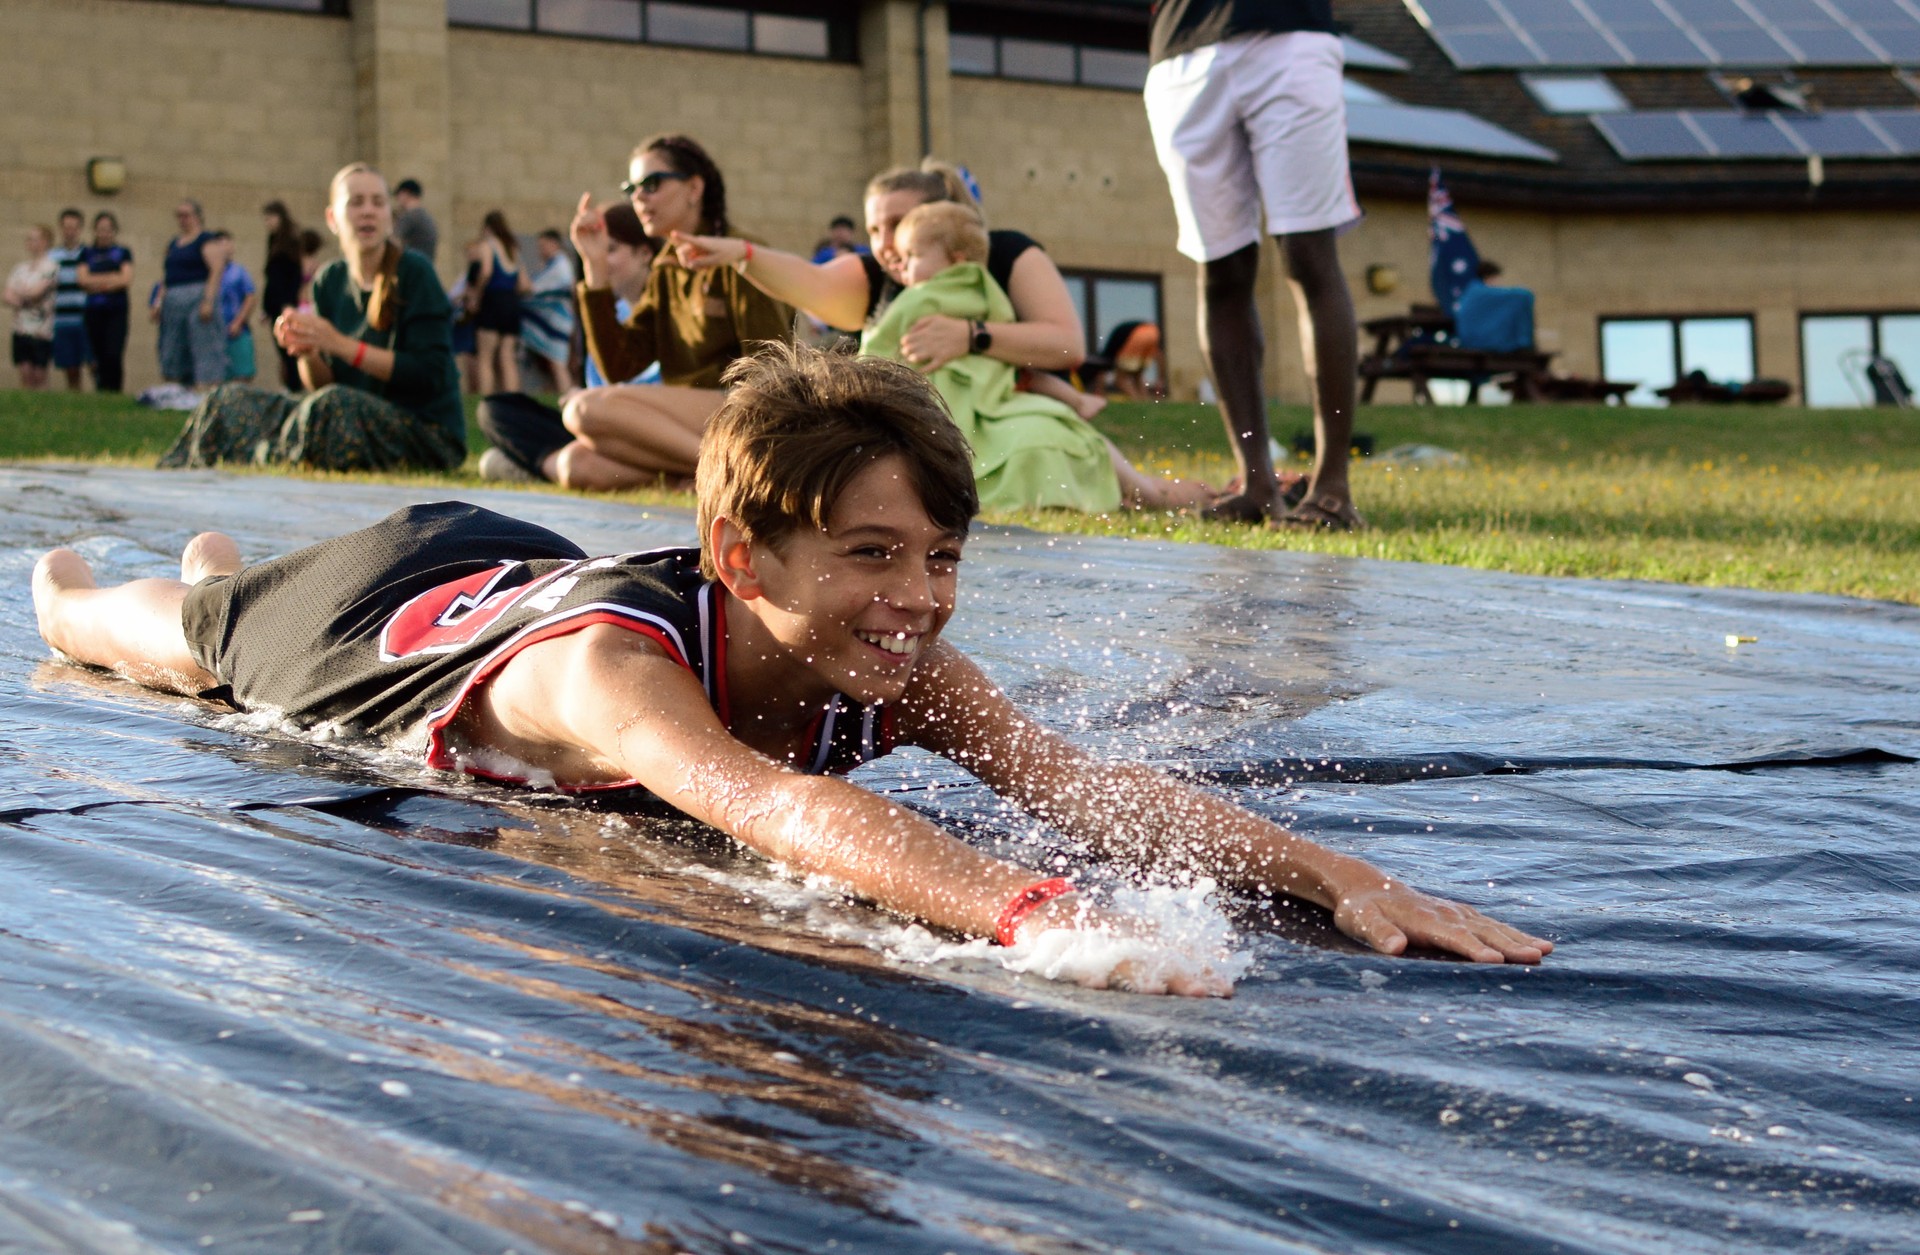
x,y
602,19
778,34
333,8
1045,61
1658,352
727,27
1836,349
1105,299
973,54
1575,93
697,26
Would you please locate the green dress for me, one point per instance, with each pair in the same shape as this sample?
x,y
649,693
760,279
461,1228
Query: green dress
x,y
1029,451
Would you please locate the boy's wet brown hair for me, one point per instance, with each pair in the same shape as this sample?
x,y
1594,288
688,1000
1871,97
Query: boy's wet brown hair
x,y
798,425
954,227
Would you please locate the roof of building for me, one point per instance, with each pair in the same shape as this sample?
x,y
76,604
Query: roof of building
x,y
1688,137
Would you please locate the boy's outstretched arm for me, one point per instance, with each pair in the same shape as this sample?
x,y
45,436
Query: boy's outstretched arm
x,y
605,703
1145,817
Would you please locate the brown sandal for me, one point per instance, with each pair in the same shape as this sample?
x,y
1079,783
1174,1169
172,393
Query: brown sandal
x,y
1234,506
1325,513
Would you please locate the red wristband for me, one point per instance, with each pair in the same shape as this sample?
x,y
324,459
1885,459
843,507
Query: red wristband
x,y
359,354
1024,904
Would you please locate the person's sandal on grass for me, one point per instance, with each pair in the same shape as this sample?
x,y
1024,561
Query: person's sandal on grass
x,y
1235,506
1324,513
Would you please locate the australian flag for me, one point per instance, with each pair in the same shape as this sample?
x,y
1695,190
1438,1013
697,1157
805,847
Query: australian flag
x,y
1452,260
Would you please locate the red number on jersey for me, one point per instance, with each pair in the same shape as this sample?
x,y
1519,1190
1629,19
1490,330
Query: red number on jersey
x,y
449,617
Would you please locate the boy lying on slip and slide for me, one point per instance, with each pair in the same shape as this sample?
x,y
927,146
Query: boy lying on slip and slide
x,y
733,682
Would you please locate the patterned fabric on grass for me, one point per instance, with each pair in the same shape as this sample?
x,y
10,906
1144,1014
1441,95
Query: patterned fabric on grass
x,y
334,429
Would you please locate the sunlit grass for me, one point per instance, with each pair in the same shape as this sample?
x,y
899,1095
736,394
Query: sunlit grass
x,y
1781,499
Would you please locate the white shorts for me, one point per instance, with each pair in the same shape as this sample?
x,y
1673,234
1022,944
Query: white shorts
x,y
1254,122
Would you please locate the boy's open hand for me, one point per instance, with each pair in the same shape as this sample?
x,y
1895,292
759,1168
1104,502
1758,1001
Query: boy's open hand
x,y
1389,916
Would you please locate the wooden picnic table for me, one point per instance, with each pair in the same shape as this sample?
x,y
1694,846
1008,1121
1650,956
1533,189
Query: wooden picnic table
x,y
1405,347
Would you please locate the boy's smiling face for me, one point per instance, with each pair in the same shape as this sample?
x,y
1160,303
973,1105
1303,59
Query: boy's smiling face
x,y
859,603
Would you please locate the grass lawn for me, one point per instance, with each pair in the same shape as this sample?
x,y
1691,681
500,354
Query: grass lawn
x,y
1786,499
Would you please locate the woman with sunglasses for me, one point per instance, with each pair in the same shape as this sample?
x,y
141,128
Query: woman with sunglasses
x,y
694,323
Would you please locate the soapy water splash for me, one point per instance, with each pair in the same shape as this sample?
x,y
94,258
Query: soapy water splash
x,y
1183,937
1168,934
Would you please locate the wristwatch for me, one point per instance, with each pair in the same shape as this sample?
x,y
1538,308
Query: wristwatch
x,y
982,338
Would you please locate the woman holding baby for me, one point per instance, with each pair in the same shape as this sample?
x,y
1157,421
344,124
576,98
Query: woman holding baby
x,y
1004,306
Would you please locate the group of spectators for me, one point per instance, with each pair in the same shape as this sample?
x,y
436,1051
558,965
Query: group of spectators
x,y
70,303
72,300
671,296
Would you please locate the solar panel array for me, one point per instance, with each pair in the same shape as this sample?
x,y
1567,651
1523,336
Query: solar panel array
x,y
1379,120
1594,34
1735,135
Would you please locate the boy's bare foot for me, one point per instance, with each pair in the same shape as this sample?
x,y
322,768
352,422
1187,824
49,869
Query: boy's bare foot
x,y
207,555
57,572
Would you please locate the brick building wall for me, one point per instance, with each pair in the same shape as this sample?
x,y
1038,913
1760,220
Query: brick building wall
x,y
230,107
537,121
237,106
1585,267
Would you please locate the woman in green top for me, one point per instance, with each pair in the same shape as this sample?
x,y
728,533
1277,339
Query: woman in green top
x,y
375,349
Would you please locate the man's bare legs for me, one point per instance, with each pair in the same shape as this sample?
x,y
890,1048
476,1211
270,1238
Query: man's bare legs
x,y
1231,338
1235,349
133,628
631,436
1330,344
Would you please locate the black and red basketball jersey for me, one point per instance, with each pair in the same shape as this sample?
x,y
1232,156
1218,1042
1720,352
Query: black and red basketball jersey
x,y
386,631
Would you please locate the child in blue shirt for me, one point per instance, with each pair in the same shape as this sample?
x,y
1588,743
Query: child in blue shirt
x,y
237,299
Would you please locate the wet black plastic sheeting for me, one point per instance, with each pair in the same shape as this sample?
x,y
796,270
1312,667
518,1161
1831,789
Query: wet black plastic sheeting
x,y
284,997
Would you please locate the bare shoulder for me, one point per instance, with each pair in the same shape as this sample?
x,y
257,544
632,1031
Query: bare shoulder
x,y
567,703
565,670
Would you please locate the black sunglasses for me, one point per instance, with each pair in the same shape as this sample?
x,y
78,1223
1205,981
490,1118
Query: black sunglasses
x,y
651,183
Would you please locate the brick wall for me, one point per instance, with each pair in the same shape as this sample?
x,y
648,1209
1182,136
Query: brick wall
x,y
1583,267
235,107
230,107
537,121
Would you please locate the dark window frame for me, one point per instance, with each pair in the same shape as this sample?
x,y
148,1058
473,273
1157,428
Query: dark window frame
x,y
327,8
1674,321
999,62
1091,277
1873,317
842,37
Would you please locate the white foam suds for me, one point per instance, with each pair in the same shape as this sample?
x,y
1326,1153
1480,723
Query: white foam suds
x,y
1167,935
